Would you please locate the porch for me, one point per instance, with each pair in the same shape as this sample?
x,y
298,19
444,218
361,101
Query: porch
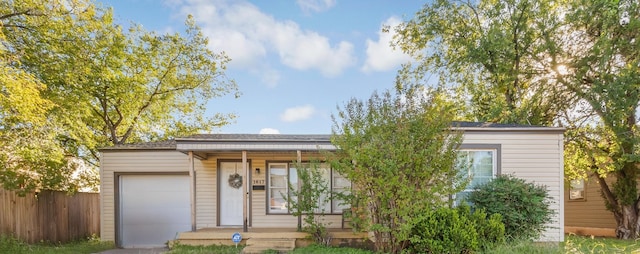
x,y
273,238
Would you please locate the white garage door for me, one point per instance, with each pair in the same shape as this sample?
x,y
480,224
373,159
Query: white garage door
x,y
153,209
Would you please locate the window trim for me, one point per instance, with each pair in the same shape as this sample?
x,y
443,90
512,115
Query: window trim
x,y
289,167
497,159
496,147
584,191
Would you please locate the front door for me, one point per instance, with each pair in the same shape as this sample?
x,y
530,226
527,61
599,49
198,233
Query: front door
x,y
230,195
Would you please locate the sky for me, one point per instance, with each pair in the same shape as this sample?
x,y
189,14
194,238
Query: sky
x,y
295,61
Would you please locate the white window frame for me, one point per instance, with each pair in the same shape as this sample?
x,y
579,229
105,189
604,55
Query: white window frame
x,y
333,205
277,201
577,190
495,150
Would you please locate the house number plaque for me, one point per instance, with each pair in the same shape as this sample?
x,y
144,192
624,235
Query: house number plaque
x,y
258,184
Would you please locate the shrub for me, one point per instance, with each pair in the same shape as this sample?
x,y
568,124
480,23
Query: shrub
x,y
491,231
444,231
524,206
456,230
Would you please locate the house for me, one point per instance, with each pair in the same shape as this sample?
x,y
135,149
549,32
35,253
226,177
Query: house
x,y
585,210
150,192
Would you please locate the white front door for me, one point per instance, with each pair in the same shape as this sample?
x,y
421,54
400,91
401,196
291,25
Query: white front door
x,y
230,195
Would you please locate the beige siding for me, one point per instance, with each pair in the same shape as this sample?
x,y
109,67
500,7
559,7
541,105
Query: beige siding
x,y
206,189
535,157
131,161
259,217
589,212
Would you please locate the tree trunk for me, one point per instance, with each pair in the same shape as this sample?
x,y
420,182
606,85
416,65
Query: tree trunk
x,y
628,226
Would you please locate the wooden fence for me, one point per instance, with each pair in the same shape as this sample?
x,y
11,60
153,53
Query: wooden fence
x,y
51,216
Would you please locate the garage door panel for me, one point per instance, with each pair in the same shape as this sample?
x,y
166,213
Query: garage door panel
x,y
153,209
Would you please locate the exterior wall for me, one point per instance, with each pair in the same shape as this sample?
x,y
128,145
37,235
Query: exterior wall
x,y
206,189
132,161
258,204
536,157
589,212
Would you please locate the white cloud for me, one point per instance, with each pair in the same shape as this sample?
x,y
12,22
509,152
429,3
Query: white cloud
x,y
248,36
269,131
315,5
380,55
270,77
297,113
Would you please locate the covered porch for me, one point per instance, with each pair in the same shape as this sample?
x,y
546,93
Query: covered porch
x,y
239,181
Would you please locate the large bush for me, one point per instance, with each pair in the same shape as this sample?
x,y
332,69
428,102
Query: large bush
x,y
524,206
456,230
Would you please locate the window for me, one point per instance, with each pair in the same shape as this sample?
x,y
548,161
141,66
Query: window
x,y
482,166
278,187
576,189
281,174
340,184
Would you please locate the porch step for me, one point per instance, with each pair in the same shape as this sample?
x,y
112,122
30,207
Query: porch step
x,y
259,245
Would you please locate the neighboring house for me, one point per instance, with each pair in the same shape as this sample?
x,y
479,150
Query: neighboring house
x,y
152,191
585,211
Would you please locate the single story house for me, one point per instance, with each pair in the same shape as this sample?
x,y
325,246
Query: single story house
x,y
152,191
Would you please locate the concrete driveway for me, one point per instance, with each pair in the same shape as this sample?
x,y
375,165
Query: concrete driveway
x,y
135,251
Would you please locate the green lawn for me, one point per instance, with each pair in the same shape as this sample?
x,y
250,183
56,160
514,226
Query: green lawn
x,y
572,244
11,245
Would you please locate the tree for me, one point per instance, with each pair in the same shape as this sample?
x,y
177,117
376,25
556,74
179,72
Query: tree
x,y
30,153
569,63
110,85
309,197
491,51
399,152
601,52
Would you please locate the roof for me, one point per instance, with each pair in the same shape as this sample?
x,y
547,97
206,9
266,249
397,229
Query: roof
x,y
257,137
154,145
488,126
274,142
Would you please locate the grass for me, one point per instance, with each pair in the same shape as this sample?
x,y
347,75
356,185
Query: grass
x,y
573,245
579,244
221,249
9,244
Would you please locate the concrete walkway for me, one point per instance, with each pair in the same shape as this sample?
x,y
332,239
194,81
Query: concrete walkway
x,y
135,251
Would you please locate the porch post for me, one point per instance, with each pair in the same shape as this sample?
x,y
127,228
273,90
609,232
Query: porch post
x,y
245,189
192,175
299,160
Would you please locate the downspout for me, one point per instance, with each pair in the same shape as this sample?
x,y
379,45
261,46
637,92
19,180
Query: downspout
x,y
192,175
245,197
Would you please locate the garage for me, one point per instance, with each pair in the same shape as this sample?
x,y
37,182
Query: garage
x,y
153,209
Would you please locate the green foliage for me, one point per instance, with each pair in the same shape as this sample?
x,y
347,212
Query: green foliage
x,y
201,249
72,80
319,249
444,230
524,206
456,230
399,152
309,198
490,51
12,245
568,63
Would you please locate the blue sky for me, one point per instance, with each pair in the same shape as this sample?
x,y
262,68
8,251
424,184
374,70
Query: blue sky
x,y
294,61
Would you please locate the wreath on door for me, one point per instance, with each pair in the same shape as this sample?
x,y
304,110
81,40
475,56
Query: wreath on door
x,y
235,181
